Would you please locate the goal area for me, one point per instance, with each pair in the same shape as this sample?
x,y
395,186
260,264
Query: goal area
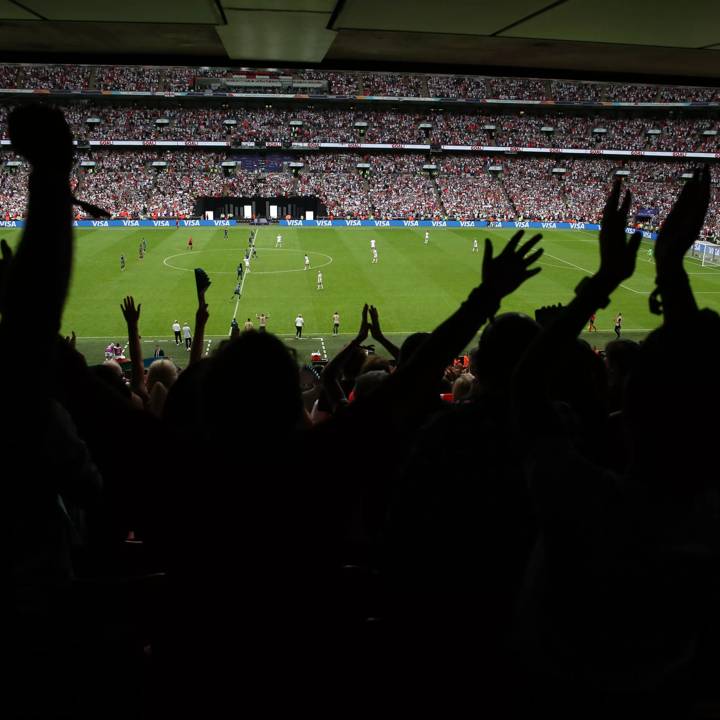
x,y
706,252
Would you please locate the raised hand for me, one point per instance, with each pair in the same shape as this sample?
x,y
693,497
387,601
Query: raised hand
x,y
684,222
375,330
617,253
377,333
71,339
511,268
130,312
364,326
40,134
201,314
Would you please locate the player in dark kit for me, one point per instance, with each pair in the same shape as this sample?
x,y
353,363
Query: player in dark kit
x,y
618,324
591,324
225,233
239,270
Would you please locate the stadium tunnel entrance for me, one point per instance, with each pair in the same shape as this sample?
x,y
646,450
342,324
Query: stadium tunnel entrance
x,y
272,208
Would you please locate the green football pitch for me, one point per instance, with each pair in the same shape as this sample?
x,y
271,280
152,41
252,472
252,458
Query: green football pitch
x,y
415,286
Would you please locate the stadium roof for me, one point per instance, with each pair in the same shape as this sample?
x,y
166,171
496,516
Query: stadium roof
x,y
660,39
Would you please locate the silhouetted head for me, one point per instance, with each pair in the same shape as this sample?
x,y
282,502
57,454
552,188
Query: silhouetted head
x,y
501,346
369,381
111,374
620,358
577,378
183,406
252,382
410,346
672,399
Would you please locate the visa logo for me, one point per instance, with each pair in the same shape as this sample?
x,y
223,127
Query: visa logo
x,y
100,223
191,223
577,226
161,223
382,223
548,225
410,223
354,223
439,223
294,222
221,222
467,223
522,224
131,223
324,223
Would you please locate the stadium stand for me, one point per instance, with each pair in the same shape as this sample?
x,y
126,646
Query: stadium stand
x,y
181,79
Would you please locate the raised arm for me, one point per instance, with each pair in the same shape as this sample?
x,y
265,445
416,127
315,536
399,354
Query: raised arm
x,y
377,334
617,263
201,318
36,284
677,234
132,318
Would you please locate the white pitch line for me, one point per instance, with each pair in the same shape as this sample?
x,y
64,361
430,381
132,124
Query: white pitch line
x,y
242,283
345,334
592,272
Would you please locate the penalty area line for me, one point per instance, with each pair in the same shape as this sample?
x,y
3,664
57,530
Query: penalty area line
x,y
591,272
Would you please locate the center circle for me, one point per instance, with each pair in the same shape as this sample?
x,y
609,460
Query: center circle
x,y
237,255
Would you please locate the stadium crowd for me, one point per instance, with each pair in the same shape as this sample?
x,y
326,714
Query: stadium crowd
x,y
91,120
243,533
182,79
169,183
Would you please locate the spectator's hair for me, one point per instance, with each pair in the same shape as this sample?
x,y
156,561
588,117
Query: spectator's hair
x,y
369,381
463,387
114,365
375,362
162,371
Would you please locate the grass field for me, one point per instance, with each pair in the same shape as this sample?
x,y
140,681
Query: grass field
x,y
415,286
